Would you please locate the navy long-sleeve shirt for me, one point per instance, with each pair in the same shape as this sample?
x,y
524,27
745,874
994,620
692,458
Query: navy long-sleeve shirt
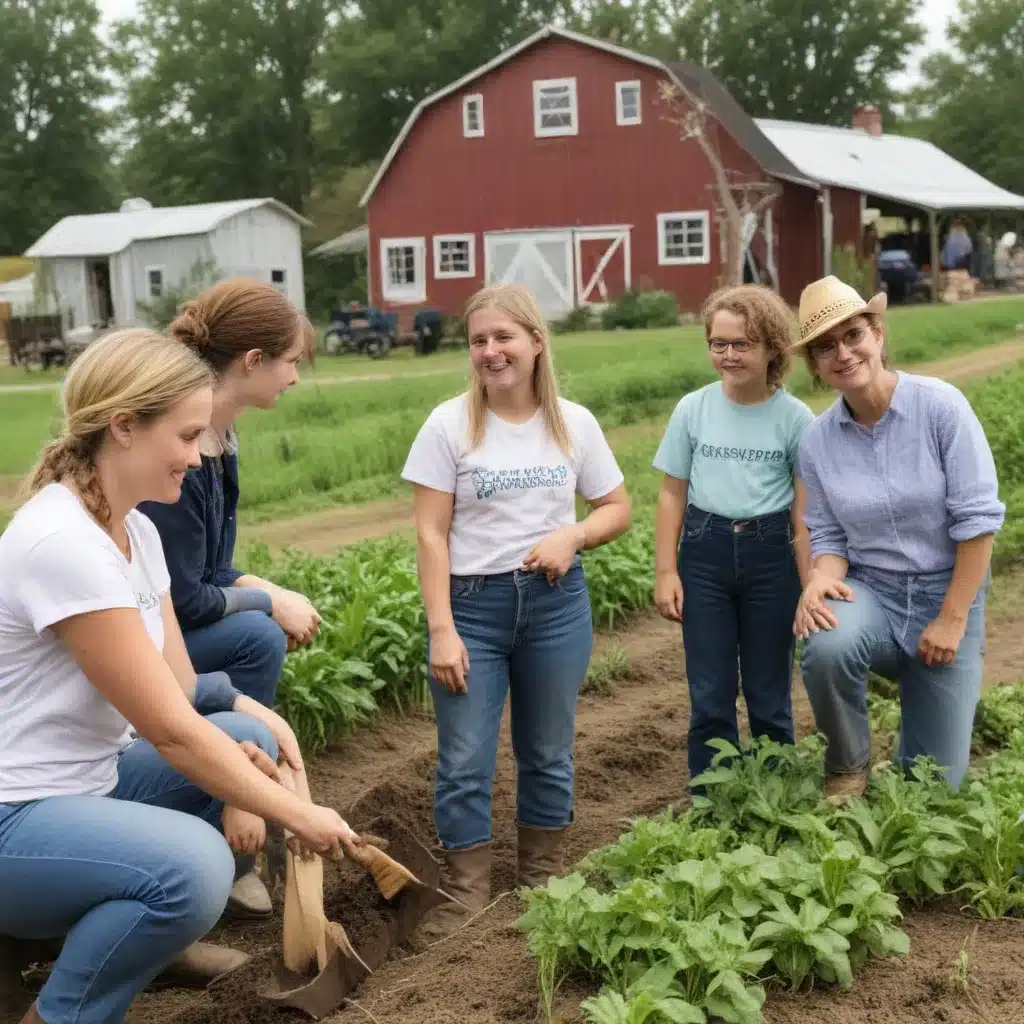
x,y
198,534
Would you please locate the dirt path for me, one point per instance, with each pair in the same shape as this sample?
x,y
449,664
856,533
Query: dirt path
x,y
324,532
630,761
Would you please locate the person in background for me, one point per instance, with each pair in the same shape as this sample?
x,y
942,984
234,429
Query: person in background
x,y
902,509
252,338
731,491
496,474
121,770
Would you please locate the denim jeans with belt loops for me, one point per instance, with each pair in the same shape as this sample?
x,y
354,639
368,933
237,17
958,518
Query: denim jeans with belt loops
x,y
879,632
129,880
529,640
740,591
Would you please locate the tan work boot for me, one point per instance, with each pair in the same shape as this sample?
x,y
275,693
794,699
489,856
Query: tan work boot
x,y
840,788
467,877
541,854
199,966
249,900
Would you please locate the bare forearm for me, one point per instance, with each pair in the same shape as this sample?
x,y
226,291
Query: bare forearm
x,y
973,558
802,552
668,524
256,582
604,524
833,566
435,580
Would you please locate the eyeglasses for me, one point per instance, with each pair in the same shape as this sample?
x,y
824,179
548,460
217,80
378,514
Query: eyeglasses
x,y
743,345
827,349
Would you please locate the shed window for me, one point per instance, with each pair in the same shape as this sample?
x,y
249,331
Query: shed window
x,y
627,103
454,256
683,238
473,116
277,279
554,107
403,269
154,282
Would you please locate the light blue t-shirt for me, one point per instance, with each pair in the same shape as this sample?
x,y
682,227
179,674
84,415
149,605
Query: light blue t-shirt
x,y
739,459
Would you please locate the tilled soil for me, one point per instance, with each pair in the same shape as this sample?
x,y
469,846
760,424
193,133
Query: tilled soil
x,y
630,761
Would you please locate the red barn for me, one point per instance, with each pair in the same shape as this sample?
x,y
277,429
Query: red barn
x,y
556,164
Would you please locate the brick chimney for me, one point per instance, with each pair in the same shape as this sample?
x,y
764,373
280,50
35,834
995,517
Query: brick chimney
x,y
868,119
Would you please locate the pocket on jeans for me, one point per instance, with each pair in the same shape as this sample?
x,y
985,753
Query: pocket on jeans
x,y
463,586
573,583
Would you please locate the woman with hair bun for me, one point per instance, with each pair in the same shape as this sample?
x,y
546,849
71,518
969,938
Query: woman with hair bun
x,y
121,771
251,338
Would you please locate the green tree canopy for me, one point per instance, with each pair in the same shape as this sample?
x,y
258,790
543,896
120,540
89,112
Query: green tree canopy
x,y
53,157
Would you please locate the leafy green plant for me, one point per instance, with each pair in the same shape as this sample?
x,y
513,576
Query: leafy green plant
x,y
1000,713
641,309
161,311
605,669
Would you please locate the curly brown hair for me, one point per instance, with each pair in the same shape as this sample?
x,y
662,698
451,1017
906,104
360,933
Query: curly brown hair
x,y
768,320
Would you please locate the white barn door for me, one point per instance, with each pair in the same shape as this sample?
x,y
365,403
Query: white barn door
x,y
541,260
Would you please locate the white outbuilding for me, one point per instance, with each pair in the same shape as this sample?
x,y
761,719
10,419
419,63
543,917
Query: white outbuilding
x,y
105,265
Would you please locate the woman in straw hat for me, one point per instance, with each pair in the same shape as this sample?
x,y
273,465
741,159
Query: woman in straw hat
x,y
902,508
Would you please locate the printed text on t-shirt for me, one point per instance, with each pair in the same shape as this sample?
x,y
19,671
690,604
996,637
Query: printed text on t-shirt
x,y
488,481
715,451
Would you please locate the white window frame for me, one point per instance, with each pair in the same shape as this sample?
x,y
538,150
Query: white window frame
x,y
467,102
282,285
407,293
700,216
573,127
470,241
162,269
620,115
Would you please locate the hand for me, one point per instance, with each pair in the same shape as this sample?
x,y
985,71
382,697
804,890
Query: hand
x,y
940,640
812,614
321,830
554,553
260,759
245,832
295,615
287,745
668,595
449,659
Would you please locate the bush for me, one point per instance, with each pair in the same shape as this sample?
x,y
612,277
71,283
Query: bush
x,y
854,271
579,320
641,309
160,312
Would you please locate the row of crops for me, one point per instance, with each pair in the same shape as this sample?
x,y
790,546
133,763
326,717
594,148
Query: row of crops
x,y
372,650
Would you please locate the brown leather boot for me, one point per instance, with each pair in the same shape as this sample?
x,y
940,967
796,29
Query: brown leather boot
x,y
541,855
199,966
467,877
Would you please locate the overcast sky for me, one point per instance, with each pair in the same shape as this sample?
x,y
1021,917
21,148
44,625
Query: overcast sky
x,y
936,14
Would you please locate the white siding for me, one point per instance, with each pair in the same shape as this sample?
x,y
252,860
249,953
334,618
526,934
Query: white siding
x,y
72,293
177,257
122,288
257,242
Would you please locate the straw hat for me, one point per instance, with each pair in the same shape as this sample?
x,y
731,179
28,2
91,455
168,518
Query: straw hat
x,y
828,302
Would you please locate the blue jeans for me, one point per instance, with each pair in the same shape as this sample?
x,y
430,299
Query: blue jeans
x,y
249,646
740,592
879,631
130,879
529,640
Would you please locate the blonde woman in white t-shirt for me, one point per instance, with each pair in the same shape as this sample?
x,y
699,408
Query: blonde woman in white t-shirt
x,y
121,771
496,473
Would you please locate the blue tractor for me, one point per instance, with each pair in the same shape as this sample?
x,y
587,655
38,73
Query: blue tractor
x,y
360,329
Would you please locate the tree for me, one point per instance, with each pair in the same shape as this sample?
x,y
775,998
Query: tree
x,y
222,98
53,158
815,60
971,96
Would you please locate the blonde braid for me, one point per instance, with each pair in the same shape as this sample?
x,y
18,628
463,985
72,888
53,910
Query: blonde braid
x,y
72,458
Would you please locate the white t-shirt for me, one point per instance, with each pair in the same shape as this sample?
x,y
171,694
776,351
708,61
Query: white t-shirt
x,y
59,736
515,488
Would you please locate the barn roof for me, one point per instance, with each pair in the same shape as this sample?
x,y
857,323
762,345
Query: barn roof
x,y
733,117
893,167
103,234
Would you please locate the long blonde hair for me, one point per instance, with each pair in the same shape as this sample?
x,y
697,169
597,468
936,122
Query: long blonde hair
x,y
517,303
134,371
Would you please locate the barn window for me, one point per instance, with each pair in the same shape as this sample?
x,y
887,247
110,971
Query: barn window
x,y
473,116
554,107
683,238
454,256
154,282
403,275
627,103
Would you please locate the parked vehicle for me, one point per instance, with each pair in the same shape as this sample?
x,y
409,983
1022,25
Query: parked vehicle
x,y
360,329
901,276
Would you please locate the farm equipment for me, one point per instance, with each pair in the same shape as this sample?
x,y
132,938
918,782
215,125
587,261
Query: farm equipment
x,y
312,943
36,339
367,331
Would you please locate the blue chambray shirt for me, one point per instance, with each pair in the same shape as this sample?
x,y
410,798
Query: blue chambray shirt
x,y
899,495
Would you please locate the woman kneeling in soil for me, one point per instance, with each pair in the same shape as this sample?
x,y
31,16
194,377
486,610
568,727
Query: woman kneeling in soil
x,y
252,338
496,473
730,488
902,508
119,768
